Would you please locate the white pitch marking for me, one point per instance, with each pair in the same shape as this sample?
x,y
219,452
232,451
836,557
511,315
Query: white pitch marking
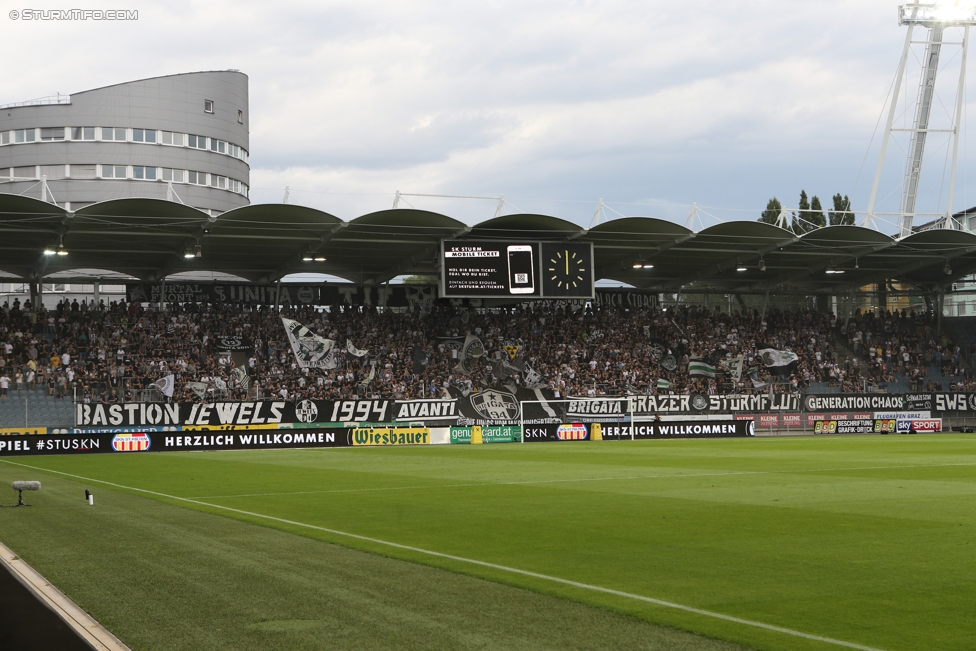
x,y
471,561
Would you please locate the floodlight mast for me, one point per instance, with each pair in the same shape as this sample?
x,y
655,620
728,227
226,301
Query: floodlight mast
x,y
936,17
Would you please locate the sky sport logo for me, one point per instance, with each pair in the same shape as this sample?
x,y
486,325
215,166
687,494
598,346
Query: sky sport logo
x,y
74,14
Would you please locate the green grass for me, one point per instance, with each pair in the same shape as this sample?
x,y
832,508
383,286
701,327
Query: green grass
x,y
863,539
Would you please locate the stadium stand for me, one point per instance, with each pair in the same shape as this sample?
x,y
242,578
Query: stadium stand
x,y
80,352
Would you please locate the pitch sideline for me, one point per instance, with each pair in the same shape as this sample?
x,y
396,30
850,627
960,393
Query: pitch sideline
x,y
470,561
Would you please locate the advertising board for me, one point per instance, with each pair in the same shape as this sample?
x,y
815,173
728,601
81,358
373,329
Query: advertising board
x,y
147,442
913,425
613,431
489,434
233,414
390,436
854,426
493,269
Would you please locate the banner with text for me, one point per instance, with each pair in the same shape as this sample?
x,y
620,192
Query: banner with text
x,y
232,414
677,429
133,442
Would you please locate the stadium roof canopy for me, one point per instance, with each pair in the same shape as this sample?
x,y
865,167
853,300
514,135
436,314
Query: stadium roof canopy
x,y
149,238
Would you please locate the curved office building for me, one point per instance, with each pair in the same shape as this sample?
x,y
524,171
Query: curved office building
x,y
181,137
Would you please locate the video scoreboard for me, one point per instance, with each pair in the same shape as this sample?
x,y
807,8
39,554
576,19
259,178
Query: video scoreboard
x,y
487,269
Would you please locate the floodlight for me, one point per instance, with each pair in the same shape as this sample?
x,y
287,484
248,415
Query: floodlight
x,y
59,250
307,257
947,269
648,266
638,265
944,14
740,268
762,265
320,259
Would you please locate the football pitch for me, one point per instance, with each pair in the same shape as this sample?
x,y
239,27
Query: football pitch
x,y
769,543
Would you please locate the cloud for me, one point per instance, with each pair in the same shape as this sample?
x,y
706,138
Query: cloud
x,y
554,104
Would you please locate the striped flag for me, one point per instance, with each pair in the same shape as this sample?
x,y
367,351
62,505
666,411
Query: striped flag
x,y
698,367
663,384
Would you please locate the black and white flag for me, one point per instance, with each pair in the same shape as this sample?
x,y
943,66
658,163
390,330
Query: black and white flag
x,y
233,342
243,379
310,349
352,350
779,362
734,367
472,347
166,385
198,388
772,357
533,379
372,373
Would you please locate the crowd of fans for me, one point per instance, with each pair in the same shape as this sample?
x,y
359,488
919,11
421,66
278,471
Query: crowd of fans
x,y
888,343
115,353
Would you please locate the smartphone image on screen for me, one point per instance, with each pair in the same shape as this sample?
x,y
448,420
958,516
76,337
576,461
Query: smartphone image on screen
x,y
521,271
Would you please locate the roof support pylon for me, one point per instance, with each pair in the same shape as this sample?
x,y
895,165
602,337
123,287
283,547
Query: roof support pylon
x,y
599,215
690,222
501,205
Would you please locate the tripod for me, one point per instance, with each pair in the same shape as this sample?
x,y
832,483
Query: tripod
x,y
20,499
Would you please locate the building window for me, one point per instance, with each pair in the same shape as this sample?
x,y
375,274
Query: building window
x,y
82,133
213,144
176,176
142,172
198,178
240,117
208,106
24,135
197,142
110,133
170,138
113,171
82,171
52,133
144,135
5,138
28,172
52,172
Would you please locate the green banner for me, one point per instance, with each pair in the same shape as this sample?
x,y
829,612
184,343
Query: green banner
x,y
499,434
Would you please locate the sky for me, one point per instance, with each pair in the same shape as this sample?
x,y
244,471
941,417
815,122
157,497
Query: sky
x,y
649,106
